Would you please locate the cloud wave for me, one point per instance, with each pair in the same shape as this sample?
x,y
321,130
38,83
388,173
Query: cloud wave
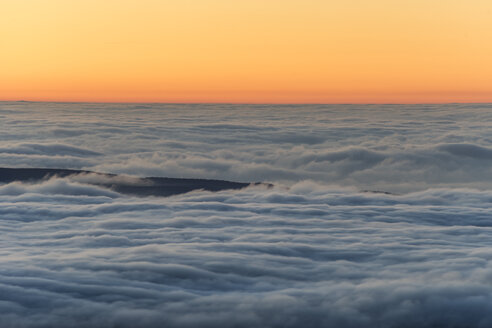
x,y
379,217
306,256
396,148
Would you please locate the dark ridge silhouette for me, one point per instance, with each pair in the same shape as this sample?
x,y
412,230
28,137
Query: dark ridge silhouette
x,y
149,186
380,192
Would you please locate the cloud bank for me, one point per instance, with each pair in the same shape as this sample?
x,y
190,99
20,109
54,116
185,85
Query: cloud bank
x,y
300,254
397,148
305,256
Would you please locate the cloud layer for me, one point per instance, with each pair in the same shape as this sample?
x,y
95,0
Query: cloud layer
x,y
305,256
300,254
397,148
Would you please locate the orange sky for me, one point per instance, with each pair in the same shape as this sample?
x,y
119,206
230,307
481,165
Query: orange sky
x,y
252,51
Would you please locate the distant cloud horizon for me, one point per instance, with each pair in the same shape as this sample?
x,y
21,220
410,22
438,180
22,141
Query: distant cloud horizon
x,y
350,145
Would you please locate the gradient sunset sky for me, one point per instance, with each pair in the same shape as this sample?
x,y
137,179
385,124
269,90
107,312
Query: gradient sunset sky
x,y
254,51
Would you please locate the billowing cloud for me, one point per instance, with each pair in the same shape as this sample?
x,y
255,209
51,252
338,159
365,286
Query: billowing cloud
x,y
305,256
397,148
316,250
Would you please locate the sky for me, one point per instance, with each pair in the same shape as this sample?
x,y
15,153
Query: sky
x,y
255,51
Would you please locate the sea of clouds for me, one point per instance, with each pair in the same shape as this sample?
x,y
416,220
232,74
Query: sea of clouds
x,y
393,148
316,250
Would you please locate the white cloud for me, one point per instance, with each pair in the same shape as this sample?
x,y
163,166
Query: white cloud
x,y
314,251
310,255
393,148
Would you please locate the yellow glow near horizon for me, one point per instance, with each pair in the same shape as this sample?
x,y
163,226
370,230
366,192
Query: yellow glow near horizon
x,y
256,51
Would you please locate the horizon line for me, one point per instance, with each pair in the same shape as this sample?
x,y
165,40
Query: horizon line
x,y
243,103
